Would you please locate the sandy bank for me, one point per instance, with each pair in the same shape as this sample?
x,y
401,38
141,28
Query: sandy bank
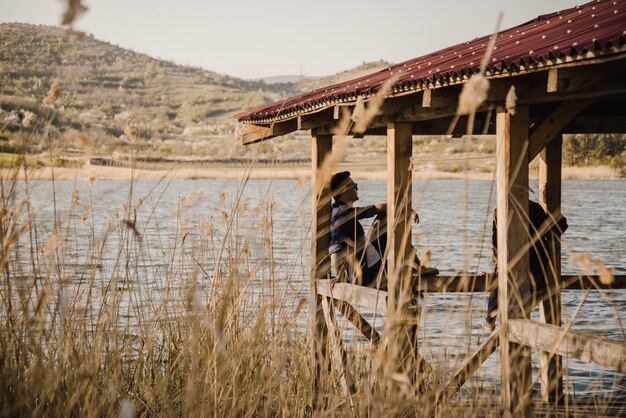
x,y
276,172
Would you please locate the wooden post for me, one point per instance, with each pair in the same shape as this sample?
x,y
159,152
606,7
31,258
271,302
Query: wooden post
x,y
513,269
321,148
399,205
402,302
551,372
338,356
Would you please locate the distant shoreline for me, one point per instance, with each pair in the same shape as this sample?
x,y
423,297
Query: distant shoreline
x,y
275,172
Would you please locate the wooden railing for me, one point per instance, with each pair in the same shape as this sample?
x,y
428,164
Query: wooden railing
x,y
544,337
482,282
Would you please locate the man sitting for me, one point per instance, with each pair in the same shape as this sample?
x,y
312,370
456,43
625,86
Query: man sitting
x,y
544,232
356,257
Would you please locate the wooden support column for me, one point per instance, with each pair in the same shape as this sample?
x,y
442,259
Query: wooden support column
x,y
512,219
321,148
402,325
551,372
399,205
338,356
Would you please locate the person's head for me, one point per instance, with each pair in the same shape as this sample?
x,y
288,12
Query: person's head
x,y
343,188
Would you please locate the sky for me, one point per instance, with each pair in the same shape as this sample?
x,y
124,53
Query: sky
x,y
261,38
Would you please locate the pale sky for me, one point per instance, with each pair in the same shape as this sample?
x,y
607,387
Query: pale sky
x,y
259,38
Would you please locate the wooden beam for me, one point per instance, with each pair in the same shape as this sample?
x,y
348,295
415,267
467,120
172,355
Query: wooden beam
x,y
315,120
321,148
553,79
512,237
462,283
426,98
551,370
353,315
399,201
356,295
591,282
581,124
558,340
401,328
442,126
552,125
328,129
472,363
338,355
249,133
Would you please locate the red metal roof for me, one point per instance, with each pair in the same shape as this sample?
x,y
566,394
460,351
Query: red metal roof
x,y
578,33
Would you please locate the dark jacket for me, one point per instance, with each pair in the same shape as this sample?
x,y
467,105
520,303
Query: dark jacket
x,y
540,254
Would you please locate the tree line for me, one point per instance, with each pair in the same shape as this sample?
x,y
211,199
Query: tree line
x,y
595,149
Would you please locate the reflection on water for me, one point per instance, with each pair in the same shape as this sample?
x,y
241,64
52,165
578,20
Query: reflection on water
x,y
455,225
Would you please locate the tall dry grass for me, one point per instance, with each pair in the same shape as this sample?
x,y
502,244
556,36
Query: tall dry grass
x,y
129,316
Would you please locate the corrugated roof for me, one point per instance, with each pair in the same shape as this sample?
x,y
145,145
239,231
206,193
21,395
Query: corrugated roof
x,y
579,33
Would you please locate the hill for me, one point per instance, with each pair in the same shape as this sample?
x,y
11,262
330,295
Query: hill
x,y
310,83
307,83
281,79
183,113
178,110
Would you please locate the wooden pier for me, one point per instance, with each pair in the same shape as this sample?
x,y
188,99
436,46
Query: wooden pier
x,y
532,100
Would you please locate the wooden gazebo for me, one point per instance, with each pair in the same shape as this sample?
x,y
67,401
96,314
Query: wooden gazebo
x,y
568,72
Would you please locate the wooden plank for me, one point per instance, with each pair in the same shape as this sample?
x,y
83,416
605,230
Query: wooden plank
x,y
339,357
472,363
356,295
554,123
321,148
592,282
315,120
551,370
553,79
249,133
461,283
375,131
582,346
512,236
426,98
358,321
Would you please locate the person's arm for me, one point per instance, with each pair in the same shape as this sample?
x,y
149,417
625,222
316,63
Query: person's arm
x,y
371,210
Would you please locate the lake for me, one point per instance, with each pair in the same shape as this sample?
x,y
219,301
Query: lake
x,y
270,222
